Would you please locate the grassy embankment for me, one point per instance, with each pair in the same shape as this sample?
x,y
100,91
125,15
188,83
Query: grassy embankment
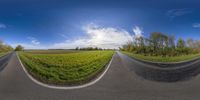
x,y
163,59
3,53
66,68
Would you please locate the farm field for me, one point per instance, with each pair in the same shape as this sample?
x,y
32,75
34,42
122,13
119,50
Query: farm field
x,y
51,51
163,59
66,68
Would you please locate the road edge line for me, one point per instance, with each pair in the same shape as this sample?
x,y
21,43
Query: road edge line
x,y
66,87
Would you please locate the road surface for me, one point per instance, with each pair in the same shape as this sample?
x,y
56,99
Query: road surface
x,y
4,61
119,83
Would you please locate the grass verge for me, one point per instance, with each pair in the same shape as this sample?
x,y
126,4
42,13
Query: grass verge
x,y
162,59
67,68
3,53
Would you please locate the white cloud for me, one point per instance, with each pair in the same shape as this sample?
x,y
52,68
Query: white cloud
x,y
138,31
96,36
63,35
33,44
178,12
29,46
34,41
2,26
197,25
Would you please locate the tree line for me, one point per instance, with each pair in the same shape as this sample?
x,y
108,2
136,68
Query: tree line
x,y
91,48
4,47
160,44
88,48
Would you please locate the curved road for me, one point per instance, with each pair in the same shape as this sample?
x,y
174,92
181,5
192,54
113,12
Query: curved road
x,y
119,83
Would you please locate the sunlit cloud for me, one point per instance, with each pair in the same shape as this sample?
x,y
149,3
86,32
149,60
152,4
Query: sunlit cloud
x,y
103,37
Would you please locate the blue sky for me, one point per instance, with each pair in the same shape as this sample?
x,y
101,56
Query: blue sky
x,y
46,24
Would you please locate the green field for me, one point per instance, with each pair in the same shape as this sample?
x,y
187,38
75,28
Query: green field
x,y
66,68
52,51
163,59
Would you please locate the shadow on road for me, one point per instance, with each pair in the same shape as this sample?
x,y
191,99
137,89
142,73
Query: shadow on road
x,y
162,74
4,60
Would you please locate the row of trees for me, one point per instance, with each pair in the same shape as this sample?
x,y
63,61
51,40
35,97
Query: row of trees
x,y
91,48
159,44
4,47
88,48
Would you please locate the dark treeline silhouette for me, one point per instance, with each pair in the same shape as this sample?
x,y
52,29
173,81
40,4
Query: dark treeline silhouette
x,y
159,44
4,47
88,48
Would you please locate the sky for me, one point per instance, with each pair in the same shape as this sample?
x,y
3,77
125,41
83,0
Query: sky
x,y
67,24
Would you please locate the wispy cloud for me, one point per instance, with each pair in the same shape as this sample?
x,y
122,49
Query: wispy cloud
x,y
178,12
138,31
104,37
2,26
196,25
33,40
65,36
29,46
96,36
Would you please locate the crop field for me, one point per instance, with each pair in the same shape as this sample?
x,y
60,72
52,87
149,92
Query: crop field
x,y
163,59
67,68
51,51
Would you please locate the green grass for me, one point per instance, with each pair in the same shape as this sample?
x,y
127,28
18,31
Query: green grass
x,y
163,59
2,54
67,68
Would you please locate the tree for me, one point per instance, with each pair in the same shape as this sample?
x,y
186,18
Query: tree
x,y
197,45
4,47
19,48
158,39
181,47
77,48
96,48
190,43
171,40
180,43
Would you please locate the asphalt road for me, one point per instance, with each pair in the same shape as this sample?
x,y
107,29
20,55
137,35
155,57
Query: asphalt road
x,y
119,83
4,61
